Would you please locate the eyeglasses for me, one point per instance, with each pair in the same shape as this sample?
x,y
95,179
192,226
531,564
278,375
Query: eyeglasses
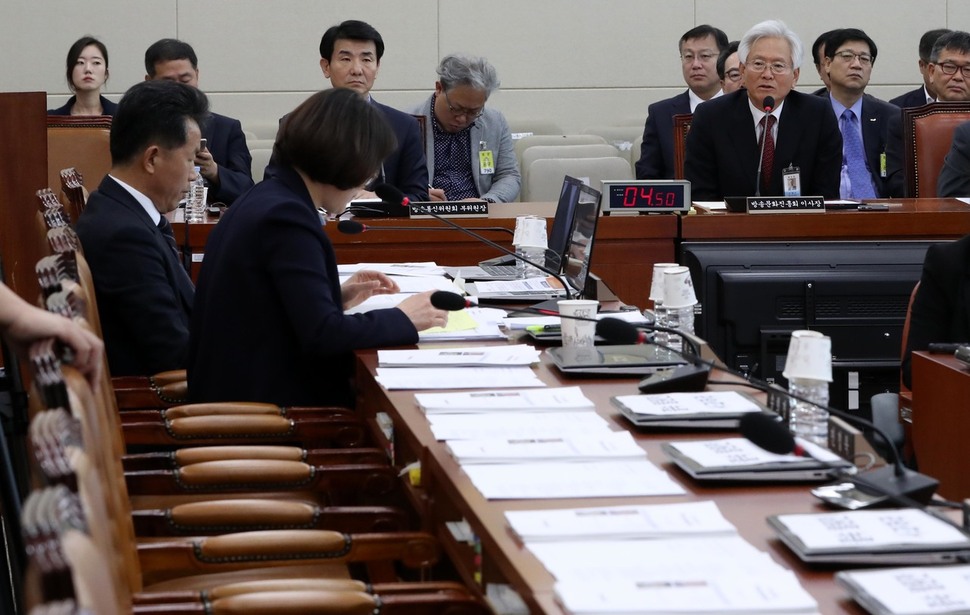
x,y
688,58
949,68
847,56
759,66
471,114
733,75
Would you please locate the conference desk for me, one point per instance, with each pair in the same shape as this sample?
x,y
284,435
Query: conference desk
x,y
446,494
941,421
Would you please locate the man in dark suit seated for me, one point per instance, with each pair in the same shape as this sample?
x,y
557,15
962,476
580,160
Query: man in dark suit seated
x,y
925,93
803,141
955,174
699,49
863,119
225,162
350,57
818,56
144,295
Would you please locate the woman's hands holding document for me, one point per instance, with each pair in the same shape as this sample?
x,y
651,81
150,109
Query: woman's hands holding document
x,y
422,314
365,284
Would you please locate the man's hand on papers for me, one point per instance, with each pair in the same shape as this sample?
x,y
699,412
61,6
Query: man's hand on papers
x,y
365,284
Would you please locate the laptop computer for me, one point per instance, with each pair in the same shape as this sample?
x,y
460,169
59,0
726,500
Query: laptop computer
x,y
576,258
503,267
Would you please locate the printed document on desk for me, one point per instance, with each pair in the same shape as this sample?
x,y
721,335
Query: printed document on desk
x,y
406,378
571,449
705,409
689,519
428,268
910,591
542,480
739,459
526,400
517,425
465,325
470,356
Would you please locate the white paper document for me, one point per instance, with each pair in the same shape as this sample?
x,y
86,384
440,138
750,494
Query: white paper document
x,y
499,288
926,590
775,592
472,323
414,269
741,452
866,529
517,425
452,356
680,404
541,480
521,322
527,400
690,519
406,378
574,449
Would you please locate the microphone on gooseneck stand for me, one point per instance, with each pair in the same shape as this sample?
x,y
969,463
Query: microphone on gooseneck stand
x,y
893,482
392,195
767,106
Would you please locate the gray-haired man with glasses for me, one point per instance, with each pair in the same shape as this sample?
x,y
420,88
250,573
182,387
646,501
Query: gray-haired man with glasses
x,y
699,48
798,134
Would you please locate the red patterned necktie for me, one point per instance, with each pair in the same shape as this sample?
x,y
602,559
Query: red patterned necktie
x,y
768,159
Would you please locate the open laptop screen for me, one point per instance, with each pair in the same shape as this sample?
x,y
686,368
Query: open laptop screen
x,y
579,249
562,223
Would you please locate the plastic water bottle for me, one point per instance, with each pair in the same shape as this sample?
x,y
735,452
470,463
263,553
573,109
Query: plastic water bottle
x,y
534,254
195,200
680,319
806,420
661,338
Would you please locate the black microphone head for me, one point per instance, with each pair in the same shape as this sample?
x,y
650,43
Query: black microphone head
x,y
617,331
768,104
767,432
350,227
451,302
391,194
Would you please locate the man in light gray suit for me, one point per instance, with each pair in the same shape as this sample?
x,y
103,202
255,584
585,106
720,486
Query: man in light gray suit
x,y
469,146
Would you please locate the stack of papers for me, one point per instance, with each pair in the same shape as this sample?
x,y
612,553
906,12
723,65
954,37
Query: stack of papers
x,y
910,591
517,425
616,445
740,459
480,356
903,537
474,323
690,519
408,378
721,409
528,400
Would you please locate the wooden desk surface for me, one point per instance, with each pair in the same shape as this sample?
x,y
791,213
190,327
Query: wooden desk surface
x,y
447,495
906,219
941,421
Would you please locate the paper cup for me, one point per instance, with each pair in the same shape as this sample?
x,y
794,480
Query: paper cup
x,y
578,333
530,231
809,356
678,288
657,283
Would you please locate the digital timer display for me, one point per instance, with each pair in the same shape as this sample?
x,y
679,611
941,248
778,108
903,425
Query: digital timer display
x,y
646,196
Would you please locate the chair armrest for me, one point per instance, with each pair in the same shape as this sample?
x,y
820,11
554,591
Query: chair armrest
x,y
339,431
297,602
171,460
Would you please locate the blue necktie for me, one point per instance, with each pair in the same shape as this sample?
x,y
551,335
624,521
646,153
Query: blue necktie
x,y
854,160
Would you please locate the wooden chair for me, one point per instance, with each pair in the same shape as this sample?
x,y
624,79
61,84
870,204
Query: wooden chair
x,y
74,192
79,142
422,128
681,128
927,135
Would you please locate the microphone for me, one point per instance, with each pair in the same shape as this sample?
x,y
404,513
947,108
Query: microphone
x,y
389,193
767,105
892,481
353,227
450,302
767,432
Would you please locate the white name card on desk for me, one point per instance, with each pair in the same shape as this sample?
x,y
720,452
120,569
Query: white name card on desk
x,y
541,480
527,400
616,445
517,425
689,519
408,378
930,590
480,356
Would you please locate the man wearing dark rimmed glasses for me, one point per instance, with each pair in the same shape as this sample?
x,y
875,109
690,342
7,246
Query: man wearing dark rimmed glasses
x,y
863,119
949,75
469,145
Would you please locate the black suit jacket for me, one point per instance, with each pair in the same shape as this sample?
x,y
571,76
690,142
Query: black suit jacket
x,y
941,308
877,115
227,144
268,323
657,149
955,174
722,149
914,98
108,107
144,295
407,166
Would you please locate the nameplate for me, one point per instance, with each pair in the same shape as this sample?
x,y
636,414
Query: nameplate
x,y
449,209
785,204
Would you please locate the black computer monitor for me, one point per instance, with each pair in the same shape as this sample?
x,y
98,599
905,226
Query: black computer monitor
x,y
579,246
563,222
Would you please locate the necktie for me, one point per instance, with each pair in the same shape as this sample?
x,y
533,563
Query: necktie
x,y
768,159
169,235
856,180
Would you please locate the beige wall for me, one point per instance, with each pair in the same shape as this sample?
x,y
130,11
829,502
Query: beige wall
x,y
578,63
